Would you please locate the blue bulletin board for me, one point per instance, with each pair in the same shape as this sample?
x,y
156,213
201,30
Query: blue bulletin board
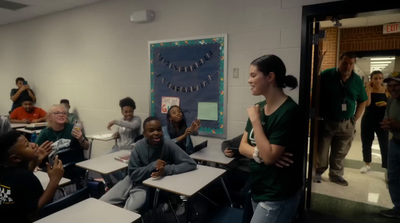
x,y
191,73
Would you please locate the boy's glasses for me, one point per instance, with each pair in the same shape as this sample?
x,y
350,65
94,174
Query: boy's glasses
x,y
59,113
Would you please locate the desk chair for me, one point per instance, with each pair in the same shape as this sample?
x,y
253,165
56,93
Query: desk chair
x,y
65,202
137,138
232,215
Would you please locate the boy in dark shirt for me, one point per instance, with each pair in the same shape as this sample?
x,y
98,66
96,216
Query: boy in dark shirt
x,y
21,193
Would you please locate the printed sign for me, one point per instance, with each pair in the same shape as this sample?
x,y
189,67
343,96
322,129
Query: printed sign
x,y
167,102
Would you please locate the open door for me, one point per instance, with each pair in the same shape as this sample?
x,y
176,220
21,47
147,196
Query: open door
x,y
311,58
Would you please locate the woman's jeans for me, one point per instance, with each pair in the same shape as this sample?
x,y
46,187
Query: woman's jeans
x,y
276,211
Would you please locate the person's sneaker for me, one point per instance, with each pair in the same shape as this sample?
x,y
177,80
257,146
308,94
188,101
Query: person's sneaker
x,y
180,209
317,178
365,169
391,213
339,180
165,208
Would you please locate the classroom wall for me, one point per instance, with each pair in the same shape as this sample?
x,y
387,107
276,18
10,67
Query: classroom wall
x,y
94,55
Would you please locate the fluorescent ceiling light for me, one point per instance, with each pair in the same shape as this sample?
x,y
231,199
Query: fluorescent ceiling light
x,y
382,58
383,62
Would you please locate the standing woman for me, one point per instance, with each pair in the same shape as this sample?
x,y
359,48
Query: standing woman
x,y
271,131
373,115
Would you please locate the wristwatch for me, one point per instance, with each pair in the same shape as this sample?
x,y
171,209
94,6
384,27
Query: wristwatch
x,y
255,155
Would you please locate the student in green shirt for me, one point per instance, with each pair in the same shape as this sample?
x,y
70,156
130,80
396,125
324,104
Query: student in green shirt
x,y
272,130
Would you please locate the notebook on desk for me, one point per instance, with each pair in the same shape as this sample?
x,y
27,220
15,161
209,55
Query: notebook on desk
x,y
124,158
200,146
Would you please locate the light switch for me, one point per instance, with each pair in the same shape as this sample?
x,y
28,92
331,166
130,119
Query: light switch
x,y
235,72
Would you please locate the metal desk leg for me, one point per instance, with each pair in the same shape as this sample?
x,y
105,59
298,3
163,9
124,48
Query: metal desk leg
x,y
155,201
226,191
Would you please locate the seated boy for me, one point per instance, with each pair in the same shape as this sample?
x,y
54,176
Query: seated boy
x,y
21,193
152,156
71,116
27,113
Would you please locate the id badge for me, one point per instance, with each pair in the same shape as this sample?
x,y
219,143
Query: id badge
x,y
344,107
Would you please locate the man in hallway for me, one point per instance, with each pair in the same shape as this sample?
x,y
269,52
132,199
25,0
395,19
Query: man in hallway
x,y
342,102
391,122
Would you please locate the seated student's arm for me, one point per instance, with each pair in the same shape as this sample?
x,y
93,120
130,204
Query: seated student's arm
x,y
177,139
55,173
31,94
83,142
195,127
182,161
15,93
137,171
135,124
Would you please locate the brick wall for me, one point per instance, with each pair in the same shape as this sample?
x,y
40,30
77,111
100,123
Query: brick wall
x,y
369,38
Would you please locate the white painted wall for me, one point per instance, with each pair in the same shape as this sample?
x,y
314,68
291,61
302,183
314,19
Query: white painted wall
x,y
94,55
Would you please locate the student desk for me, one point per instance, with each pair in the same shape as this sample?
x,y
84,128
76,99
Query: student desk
x,y
44,179
24,130
186,184
101,137
210,154
105,164
18,125
91,210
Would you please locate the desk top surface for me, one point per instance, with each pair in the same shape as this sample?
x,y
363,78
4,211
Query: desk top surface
x,y
105,164
18,125
212,154
101,137
91,210
187,183
28,131
44,179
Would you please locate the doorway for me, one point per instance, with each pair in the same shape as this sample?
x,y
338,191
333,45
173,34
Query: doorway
x,y
312,17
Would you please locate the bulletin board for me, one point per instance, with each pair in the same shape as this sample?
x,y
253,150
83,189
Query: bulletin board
x,y
191,73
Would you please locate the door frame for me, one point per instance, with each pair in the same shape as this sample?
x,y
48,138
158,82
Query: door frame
x,y
311,14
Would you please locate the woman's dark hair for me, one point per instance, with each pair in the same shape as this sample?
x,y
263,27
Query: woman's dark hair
x,y
7,140
271,63
127,102
181,126
375,72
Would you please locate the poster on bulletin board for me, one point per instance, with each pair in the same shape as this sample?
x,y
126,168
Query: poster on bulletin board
x,y
191,73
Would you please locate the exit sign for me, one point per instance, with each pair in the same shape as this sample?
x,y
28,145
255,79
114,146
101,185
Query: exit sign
x,y
391,28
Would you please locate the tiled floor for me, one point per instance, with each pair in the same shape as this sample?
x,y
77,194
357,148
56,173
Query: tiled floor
x,y
361,201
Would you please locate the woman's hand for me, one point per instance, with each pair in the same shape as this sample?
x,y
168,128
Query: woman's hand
x,y
254,113
77,133
228,152
284,160
195,125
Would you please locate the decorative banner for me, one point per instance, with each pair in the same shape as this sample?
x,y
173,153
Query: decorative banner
x,y
190,68
187,89
187,72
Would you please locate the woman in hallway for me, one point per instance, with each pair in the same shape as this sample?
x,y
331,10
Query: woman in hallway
x,y
373,115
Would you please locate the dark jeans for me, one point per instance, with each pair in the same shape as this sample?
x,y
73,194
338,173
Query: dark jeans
x,y
393,169
368,129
